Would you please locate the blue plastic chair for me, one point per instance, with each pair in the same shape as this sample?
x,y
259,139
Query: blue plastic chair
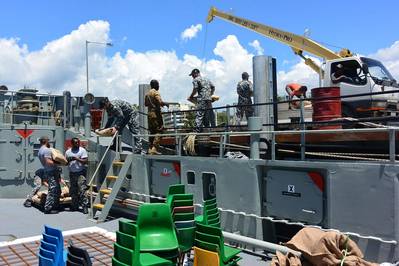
x,y
47,246
54,232
53,238
47,254
50,239
43,261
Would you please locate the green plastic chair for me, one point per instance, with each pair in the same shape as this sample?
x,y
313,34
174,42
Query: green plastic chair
x,y
215,248
210,230
206,245
125,256
147,259
183,209
209,207
176,189
214,224
183,216
184,224
171,198
212,211
178,197
128,227
204,219
156,228
186,238
214,235
182,196
125,240
116,262
122,255
214,239
181,203
210,201
213,216
186,241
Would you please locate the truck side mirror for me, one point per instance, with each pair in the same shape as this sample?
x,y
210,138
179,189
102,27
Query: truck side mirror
x,y
365,69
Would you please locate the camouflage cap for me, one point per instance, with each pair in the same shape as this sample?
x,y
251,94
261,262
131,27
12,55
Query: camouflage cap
x,y
194,71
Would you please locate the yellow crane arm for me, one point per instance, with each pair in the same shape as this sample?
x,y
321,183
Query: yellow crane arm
x,y
296,42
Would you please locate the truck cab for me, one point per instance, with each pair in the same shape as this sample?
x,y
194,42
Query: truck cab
x,y
356,75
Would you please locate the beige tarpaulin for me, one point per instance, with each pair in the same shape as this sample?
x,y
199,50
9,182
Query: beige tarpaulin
x,y
321,248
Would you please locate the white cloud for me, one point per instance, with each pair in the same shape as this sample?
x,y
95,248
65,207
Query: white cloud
x,y
298,73
190,32
257,47
60,65
390,58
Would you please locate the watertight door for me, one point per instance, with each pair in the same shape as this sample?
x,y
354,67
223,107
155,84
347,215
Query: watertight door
x,y
295,195
164,174
12,155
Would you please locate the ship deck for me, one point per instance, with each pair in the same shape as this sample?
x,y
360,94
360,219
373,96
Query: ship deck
x,y
21,227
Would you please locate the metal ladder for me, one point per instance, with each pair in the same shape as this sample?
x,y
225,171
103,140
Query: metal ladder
x,y
110,187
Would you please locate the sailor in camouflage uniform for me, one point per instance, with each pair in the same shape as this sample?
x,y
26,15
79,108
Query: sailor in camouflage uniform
x,y
52,173
244,91
205,89
38,181
155,122
120,114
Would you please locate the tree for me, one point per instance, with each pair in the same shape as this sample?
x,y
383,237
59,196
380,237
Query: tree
x,y
189,120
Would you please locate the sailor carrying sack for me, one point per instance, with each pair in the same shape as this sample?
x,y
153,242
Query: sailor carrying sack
x,y
58,157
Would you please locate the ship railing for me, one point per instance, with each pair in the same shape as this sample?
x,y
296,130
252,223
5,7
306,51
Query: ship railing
x,y
255,149
8,100
302,125
274,113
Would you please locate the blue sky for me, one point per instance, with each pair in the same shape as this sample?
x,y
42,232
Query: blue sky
x,y
150,25
143,26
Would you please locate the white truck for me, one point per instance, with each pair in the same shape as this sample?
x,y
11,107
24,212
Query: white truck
x,y
363,75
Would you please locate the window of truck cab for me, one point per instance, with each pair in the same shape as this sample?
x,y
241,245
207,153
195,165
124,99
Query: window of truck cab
x,y
351,69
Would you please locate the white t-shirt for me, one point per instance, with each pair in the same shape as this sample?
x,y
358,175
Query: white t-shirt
x,y
75,166
44,153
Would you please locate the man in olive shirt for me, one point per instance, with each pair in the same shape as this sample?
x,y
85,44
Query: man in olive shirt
x,y
155,122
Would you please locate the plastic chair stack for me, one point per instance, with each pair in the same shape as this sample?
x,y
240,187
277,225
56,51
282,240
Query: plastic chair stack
x,y
77,256
51,251
182,209
210,214
130,240
210,248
